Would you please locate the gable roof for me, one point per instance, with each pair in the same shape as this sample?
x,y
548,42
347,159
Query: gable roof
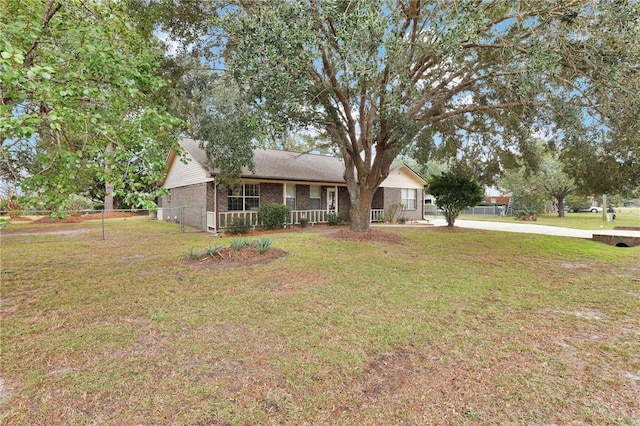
x,y
271,164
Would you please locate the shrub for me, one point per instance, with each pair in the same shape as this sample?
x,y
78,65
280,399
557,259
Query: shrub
x,y
239,243
78,203
238,225
262,245
12,205
333,219
214,250
393,210
454,192
273,215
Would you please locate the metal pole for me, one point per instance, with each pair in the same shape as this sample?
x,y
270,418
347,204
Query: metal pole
x,y
604,207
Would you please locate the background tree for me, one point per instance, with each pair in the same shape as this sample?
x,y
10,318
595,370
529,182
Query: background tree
x,y
555,182
527,195
531,189
79,101
454,192
465,77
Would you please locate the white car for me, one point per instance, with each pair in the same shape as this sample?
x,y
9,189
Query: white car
x,y
592,209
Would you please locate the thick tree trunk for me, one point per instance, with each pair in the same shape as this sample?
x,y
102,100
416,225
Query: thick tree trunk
x,y
360,211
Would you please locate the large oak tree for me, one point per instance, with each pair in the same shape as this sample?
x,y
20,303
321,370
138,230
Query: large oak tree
x,y
468,79
380,76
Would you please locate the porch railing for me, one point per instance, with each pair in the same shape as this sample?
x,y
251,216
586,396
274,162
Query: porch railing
x,y
314,216
377,215
225,219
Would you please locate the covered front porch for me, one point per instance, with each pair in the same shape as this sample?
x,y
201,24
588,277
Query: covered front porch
x,y
222,220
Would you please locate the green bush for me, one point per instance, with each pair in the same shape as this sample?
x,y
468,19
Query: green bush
x,y
273,215
78,203
333,219
239,225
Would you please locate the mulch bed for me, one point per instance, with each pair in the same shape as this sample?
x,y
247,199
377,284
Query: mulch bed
x,y
232,258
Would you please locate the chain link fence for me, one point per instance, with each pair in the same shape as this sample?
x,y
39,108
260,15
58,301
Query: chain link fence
x,y
104,225
431,210
485,211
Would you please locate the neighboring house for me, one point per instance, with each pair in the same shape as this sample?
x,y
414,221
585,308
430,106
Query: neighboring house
x,y
495,199
312,185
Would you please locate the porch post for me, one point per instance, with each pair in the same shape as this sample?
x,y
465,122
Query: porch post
x,y
215,206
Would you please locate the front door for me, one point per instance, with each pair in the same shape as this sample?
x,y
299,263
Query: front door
x,y
332,200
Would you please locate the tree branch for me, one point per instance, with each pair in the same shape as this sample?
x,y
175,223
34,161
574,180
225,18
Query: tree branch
x,y
49,11
480,108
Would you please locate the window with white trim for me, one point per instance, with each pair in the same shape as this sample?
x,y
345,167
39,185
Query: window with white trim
x,y
290,196
409,198
315,198
243,197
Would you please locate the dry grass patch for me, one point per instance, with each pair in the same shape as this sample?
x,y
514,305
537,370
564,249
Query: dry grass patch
x,y
374,236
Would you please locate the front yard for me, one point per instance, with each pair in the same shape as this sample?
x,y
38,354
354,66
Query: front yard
x,y
441,326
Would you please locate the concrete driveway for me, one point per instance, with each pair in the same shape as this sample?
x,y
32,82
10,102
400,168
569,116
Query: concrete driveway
x,y
529,228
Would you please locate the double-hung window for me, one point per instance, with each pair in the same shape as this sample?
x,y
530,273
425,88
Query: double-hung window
x,y
243,197
315,197
409,198
290,196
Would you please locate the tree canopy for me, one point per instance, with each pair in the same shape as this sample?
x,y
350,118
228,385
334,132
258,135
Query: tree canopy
x,y
474,80
531,188
79,98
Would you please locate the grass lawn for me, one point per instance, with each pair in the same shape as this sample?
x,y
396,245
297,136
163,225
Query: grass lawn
x,y
624,217
456,326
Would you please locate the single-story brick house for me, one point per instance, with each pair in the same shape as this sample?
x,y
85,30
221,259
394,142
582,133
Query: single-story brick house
x,y
312,185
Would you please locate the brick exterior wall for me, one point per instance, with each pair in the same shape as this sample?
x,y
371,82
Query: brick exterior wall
x,y
392,196
196,197
192,199
271,193
211,198
303,202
